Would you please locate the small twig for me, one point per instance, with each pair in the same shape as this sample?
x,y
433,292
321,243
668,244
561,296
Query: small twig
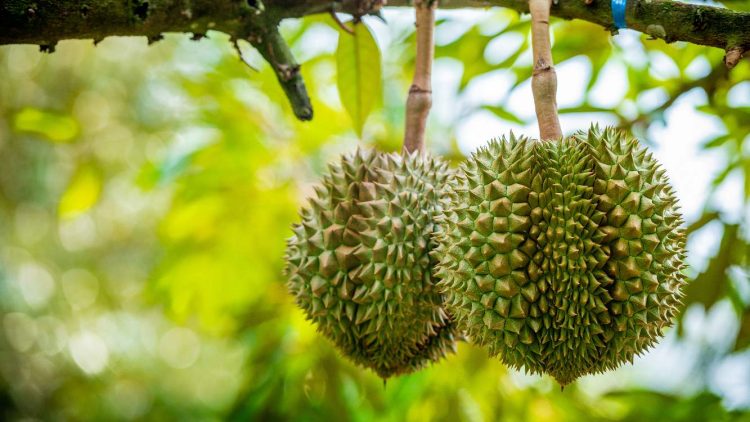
x,y
271,45
544,78
733,56
341,25
420,93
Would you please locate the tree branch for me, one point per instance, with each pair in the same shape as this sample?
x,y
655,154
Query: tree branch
x,y
419,102
267,40
45,22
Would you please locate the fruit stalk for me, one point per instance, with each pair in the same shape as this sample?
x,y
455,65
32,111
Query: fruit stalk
x,y
544,78
420,93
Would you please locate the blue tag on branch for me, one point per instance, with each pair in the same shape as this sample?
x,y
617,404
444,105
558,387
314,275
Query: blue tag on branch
x,y
618,13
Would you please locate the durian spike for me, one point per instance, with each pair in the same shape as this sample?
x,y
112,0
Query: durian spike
x,y
359,262
563,257
419,100
544,78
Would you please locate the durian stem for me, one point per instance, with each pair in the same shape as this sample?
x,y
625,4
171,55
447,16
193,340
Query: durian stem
x,y
544,78
420,93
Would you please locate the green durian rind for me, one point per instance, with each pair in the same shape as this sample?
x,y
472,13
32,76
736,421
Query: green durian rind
x,y
562,257
359,263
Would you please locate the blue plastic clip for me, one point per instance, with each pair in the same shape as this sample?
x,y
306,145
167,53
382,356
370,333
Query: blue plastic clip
x,y
618,13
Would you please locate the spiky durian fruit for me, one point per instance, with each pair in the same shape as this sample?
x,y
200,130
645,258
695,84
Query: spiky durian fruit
x,y
562,257
359,263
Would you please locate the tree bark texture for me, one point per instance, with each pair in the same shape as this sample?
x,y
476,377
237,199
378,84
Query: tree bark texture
x,y
45,22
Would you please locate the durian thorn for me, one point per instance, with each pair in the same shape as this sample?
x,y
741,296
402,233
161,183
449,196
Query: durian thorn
x,y
419,101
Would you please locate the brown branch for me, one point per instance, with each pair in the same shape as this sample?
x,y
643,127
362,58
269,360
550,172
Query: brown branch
x,y
733,56
544,78
271,45
420,93
46,22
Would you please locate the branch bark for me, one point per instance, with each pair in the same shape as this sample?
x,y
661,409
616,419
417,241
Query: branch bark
x,y
45,22
544,78
269,42
419,102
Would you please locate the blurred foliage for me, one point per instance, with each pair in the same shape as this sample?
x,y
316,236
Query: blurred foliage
x,y
146,192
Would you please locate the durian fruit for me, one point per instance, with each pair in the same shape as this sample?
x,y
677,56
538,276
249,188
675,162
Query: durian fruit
x,y
562,257
359,263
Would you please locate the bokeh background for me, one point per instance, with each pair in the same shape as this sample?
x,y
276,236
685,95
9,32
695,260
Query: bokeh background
x,y
146,193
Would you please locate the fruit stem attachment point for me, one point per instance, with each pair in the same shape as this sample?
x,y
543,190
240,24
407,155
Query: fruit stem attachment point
x,y
544,78
419,100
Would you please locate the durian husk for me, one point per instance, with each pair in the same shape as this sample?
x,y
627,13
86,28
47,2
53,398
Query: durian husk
x,y
562,257
359,262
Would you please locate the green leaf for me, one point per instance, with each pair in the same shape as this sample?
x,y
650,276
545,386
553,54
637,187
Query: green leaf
x,y
82,193
647,405
53,126
710,285
698,224
359,74
585,108
469,50
504,114
719,179
717,141
743,336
